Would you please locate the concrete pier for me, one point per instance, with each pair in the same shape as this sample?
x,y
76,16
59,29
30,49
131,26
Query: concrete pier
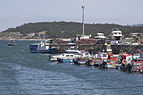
x,y
95,48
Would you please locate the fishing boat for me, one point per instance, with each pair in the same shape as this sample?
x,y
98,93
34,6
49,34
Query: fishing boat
x,y
83,59
67,57
72,55
69,52
127,62
111,63
94,62
97,59
136,56
138,65
11,43
42,47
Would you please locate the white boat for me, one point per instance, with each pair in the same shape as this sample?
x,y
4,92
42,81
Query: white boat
x,y
116,34
69,55
83,59
97,59
136,56
100,36
66,56
102,56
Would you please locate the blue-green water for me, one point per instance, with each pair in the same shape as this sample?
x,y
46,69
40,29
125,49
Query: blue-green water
x,y
24,73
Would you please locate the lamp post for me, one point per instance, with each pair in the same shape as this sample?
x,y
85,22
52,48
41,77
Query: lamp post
x,y
83,7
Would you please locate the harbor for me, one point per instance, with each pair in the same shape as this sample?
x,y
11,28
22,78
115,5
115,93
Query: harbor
x,y
71,47
23,72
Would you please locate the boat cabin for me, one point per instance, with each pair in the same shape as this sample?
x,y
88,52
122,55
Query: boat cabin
x,y
100,36
116,34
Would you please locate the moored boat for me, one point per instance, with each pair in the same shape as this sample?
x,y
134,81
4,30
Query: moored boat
x,y
83,59
11,43
67,57
127,62
111,63
138,65
42,47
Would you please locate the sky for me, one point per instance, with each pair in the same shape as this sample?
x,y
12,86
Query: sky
x,y
17,12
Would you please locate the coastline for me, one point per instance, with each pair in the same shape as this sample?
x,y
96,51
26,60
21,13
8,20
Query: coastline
x,y
24,39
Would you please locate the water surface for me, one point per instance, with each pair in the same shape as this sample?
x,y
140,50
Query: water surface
x,y
25,73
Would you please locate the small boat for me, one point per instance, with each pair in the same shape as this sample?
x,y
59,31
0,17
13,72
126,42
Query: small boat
x,y
91,62
127,62
11,43
136,56
94,62
111,63
67,54
97,59
43,47
83,59
138,65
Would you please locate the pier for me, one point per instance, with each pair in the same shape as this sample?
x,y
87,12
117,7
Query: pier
x,y
95,48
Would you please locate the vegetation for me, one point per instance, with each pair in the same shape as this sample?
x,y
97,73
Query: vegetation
x,y
70,29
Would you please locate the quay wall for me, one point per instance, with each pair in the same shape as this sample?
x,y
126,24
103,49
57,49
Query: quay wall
x,y
99,48
116,49
126,48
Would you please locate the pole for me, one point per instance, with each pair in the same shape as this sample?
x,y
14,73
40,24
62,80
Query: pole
x,y
83,18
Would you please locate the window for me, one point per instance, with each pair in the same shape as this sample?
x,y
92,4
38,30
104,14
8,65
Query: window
x,y
67,55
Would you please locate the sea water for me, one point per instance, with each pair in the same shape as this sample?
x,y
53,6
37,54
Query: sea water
x,y
25,73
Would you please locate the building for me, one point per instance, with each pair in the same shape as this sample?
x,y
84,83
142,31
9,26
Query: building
x,y
42,34
30,34
137,35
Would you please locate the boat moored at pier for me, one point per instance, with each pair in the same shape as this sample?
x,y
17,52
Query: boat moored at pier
x,y
43,47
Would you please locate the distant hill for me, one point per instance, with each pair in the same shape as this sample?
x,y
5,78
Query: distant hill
x,y
138,25
69,29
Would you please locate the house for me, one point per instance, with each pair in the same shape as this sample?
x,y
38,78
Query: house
x,y
42,34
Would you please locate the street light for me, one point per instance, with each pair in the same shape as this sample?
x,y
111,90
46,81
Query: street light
x,y
83,7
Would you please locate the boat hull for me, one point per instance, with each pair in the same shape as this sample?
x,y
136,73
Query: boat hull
x,y
66,60
80,62
50,51
11,44
112,66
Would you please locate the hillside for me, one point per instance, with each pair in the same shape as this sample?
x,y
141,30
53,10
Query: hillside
x,y
69,29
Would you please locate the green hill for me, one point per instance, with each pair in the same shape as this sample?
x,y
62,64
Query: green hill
x,y
69,29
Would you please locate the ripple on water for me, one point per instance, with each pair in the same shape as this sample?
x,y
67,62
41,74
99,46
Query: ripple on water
x,y
24,73
36,81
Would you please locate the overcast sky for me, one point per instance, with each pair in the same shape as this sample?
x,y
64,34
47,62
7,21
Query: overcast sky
x,y
17,12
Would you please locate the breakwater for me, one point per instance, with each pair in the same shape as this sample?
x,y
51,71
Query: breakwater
x,y
127,48
99,48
